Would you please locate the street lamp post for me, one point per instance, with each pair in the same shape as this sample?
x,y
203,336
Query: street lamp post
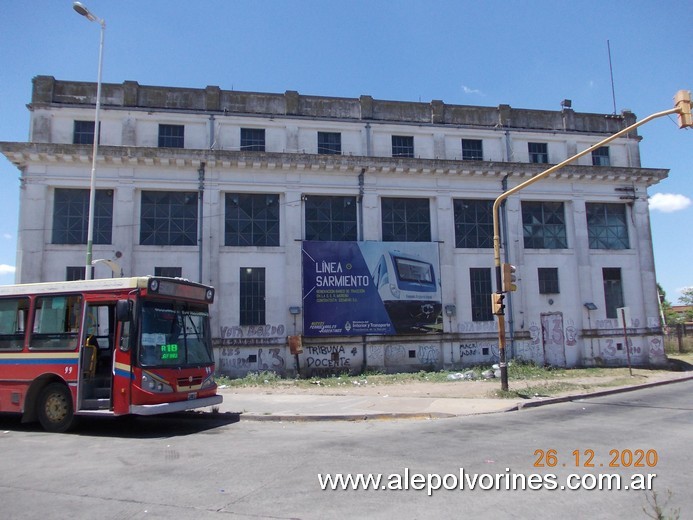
x,y
682,101
83,11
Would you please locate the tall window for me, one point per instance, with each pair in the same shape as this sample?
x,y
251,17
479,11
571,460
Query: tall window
x,y
253,139
71,215
406,220
543,225
538,152
171,136
473,223
548,280
329,143
251,219
613,290
252,296
170,272
480,283
472,150
600,156
169,218
331,218
83,132
402,146
606,226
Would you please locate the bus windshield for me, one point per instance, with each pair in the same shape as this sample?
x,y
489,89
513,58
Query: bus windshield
x,y
174,334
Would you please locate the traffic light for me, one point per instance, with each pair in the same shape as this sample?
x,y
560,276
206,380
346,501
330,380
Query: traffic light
x,y
682,100
509,278
497,305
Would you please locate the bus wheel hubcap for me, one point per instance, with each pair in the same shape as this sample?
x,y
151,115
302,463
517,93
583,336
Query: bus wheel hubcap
x,y
56,408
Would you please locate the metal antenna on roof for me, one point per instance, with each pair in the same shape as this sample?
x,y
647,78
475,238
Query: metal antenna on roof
x,y
611,71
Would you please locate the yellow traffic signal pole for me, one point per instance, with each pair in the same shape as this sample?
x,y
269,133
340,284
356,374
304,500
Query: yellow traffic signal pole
x,y
683,108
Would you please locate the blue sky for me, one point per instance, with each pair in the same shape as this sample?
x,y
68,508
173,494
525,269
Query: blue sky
x,y
528,54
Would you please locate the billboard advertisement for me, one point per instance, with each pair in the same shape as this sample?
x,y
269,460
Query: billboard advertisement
x,y
360,288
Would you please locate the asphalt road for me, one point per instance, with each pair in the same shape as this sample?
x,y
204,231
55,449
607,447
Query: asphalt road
x,y
194,467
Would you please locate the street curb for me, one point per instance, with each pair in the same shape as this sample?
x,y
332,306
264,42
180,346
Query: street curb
x,y
601,393
345,418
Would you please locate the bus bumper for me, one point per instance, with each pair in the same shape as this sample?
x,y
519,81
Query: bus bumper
x,y
178,406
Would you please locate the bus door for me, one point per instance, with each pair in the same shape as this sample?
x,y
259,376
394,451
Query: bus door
x,y
96,357
122,362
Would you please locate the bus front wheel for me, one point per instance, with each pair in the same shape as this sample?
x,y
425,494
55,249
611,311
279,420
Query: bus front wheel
x,y
55,411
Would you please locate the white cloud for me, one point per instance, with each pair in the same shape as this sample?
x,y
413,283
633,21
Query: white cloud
x,y
6,269
7,236
669,202
469,90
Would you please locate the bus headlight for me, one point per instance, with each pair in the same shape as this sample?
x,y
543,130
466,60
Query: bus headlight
x,y
155,385
394,290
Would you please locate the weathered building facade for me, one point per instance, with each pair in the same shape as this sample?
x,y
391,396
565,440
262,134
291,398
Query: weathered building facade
x,y
362,226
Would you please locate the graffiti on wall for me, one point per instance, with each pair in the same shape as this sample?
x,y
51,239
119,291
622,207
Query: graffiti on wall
x,y
529,351
615,323
656,347
613,348
395,355
476,326
247,359
250,335
330,357
535,334
484,351
427,354
407,355
571,333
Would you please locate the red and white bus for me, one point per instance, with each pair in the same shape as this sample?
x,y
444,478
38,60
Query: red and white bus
x,y
105,347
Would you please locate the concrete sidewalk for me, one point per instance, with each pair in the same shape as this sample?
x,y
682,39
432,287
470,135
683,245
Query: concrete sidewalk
x,y
264,406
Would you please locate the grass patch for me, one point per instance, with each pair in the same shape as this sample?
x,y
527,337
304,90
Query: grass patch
x,y
251,379
552,387
533,379
547,389
260,379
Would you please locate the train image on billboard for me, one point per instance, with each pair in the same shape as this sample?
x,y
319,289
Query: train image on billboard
x,y
410,291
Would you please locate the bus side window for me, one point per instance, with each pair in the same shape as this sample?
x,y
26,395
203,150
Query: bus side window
x,y
56,322
99,325
13,314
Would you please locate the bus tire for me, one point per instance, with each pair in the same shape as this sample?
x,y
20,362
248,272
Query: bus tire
x,y
54,408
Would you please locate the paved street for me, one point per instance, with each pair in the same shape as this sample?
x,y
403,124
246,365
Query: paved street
x,y
195,467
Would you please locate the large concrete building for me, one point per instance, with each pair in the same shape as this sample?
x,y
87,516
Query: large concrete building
x,y
362,226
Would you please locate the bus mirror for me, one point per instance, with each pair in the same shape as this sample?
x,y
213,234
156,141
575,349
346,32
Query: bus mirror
x,y
124,310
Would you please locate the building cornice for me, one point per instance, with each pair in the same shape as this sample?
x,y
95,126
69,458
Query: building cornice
x,y
23,154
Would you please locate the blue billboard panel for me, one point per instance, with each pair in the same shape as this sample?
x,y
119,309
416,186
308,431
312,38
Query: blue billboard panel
x,y
359,288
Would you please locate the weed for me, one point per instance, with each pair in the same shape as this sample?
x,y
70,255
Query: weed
x,y
655,509
251,379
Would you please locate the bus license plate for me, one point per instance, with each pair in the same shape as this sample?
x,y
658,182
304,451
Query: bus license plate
x,y
192,395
